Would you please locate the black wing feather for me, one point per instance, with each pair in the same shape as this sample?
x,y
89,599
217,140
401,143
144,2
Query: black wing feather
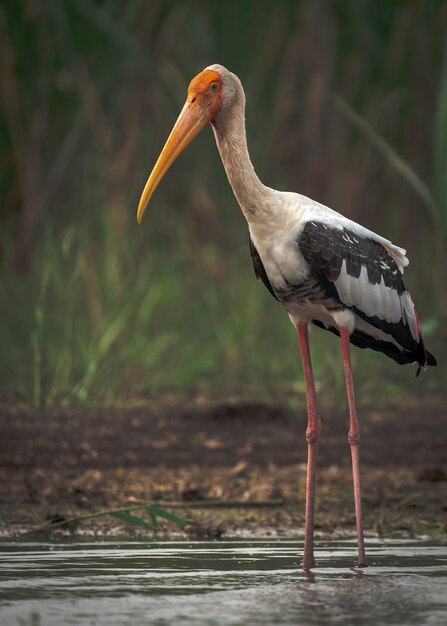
x,y
326,248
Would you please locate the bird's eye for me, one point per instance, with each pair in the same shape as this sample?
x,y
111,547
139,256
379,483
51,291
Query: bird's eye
x,y
213,86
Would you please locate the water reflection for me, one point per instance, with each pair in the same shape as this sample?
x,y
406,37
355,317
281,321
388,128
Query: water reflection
x,y
227,583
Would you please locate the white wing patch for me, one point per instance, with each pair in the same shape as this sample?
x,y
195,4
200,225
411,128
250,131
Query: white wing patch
x,y
376,300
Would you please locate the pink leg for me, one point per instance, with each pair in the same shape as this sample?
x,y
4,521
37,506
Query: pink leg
x,y
354,442
312,437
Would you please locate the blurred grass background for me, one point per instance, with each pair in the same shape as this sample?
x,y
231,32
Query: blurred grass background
x,y
346,103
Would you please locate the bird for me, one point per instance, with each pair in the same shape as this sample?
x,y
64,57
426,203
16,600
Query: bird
x,y
323,268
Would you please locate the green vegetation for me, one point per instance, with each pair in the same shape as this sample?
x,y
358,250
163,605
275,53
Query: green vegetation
x,y
123,514
95,309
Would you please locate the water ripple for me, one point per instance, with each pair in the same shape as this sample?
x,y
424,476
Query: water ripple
x,y
231,583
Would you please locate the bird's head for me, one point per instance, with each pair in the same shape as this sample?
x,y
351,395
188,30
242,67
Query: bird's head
x,y
204,101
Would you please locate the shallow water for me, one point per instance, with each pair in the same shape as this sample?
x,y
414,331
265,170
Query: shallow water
x,y
231,582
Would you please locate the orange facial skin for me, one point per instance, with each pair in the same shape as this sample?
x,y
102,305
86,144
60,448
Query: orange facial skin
x,y
206,89
202,105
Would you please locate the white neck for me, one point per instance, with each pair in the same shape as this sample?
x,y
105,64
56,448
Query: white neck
x,y
229,130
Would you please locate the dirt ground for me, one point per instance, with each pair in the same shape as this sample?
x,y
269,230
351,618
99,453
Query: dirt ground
x,y
202,457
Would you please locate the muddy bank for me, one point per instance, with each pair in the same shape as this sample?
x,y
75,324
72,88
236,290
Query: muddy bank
x,y
61,464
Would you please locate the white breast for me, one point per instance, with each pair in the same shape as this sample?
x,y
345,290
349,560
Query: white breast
x,y
275,238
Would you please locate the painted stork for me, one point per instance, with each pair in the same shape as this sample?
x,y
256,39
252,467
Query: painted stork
x,y
322,267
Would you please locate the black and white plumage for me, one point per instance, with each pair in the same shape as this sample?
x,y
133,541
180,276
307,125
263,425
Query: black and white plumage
x,y
357,273
322,267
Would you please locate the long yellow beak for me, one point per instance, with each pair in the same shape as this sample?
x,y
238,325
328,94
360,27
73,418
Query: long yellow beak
x,y
190,122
